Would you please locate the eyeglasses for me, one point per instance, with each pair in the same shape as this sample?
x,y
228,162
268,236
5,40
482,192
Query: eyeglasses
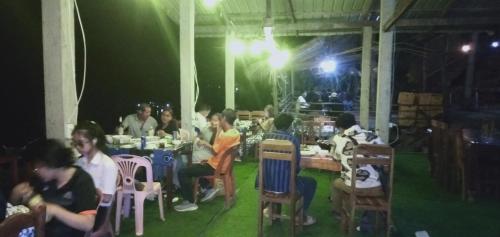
x,y
79,143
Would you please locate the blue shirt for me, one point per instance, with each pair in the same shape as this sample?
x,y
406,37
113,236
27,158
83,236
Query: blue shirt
x,y
277,172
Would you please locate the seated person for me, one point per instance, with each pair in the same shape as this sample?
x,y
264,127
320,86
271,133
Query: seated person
x,y
305,185
228,138
88,139
267,123
208,134
200,118
367,178
67,191
301,101
140,123
168,125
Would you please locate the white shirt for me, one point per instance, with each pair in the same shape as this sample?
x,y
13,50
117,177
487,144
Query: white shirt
x,y
343,147
103,171
200,121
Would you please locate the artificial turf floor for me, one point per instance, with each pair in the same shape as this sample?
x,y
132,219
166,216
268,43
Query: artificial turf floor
x,y
418,204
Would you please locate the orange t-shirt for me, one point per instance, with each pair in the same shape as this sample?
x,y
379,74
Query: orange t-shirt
x,y
222,143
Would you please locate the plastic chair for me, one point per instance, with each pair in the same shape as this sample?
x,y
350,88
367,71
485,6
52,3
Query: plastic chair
x,y
127,166
224,172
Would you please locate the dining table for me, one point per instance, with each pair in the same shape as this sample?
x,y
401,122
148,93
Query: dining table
x,y
313,157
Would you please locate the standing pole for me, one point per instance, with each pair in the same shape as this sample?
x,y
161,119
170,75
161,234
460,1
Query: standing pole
x,y
230,101
366,60
469,78
186,34
61,108
275,92
385,71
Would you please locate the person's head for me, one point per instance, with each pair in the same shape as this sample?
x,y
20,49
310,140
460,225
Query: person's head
x,y
167,115
345,121
144,111
283,121
227,118
269,111
88,137
203,109
50,158
215,120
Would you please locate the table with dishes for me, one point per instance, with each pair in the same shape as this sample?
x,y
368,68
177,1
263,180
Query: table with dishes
x,y
313,156
173,149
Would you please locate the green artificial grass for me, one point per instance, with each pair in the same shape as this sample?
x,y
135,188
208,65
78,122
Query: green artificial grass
x,y
419,204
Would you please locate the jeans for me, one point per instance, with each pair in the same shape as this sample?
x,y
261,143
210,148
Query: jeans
x,y
186,176
307,187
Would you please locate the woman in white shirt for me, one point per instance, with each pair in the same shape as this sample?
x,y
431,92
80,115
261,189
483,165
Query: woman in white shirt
x,y
88,139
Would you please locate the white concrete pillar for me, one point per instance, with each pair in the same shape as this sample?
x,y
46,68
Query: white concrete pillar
x,y
385,68
366,59
186,34
61,109
229,73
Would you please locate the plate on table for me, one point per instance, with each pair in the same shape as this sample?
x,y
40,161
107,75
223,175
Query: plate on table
x,y
307,152
127,146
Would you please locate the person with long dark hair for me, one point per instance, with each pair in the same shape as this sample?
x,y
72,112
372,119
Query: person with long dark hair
x,y
168,125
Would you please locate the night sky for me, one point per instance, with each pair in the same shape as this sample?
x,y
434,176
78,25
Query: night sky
x,y
133,56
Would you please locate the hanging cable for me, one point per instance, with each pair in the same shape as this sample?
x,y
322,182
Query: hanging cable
x,y
80,95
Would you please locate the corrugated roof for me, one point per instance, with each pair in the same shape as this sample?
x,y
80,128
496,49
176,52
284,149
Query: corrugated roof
x,y
319,16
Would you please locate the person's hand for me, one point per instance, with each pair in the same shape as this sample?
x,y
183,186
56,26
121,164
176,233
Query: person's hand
x,y
161,133
50,209
21,192
203,162
204,143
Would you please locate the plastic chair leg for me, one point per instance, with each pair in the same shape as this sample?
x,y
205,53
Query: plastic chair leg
x,y
139,214
118,216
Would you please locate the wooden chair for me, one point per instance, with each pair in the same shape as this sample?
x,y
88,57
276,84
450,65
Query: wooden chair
x,y
13,225
281,150
224,172
243,115
257,115
375,155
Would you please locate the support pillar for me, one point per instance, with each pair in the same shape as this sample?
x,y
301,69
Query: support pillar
x,y
469,78
186,34
61,108
229,84
366,59
385,71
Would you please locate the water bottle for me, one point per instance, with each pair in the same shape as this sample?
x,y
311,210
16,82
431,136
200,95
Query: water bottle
x,y
143,142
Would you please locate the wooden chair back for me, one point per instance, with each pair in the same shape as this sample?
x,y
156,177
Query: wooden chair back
x,y
257,114
243,115
13,225
381,156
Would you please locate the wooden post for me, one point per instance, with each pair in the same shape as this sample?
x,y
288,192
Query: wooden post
x,y
385,68
61,108
229,87
366,59
186,25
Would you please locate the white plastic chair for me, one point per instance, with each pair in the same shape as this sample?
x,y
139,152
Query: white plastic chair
x,y
127,166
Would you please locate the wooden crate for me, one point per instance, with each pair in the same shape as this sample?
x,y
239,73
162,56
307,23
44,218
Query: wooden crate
x,y
436,99
407,115
406,98
424,98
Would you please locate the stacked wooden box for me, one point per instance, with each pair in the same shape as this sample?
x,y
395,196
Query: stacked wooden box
x,y
416,109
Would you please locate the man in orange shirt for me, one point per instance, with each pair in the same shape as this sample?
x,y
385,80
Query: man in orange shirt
x,y
222,143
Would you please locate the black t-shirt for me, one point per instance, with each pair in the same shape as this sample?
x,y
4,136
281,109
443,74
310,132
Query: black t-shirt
x,y
78,195
170,128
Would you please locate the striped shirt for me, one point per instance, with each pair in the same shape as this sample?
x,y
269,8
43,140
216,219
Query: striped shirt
x,y
277,172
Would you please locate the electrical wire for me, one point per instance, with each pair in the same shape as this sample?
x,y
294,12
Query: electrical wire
x,y
84,79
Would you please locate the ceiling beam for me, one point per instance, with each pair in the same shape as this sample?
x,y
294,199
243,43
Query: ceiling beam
x,y
449,22
292,11
404,7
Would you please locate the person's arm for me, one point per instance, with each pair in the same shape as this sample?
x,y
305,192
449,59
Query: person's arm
x,y
109,185
83,221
